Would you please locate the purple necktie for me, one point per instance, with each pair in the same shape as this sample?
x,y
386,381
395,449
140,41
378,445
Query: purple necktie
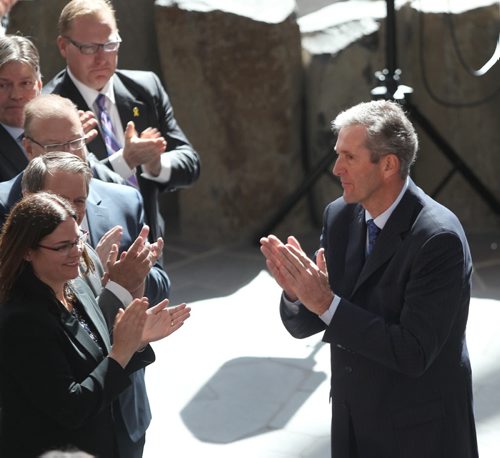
x,y
108,132
106,126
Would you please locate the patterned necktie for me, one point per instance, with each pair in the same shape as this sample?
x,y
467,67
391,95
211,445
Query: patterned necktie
x,y
108,132
106,126
373,232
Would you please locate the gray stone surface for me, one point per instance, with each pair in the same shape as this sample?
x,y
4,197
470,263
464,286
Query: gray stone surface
x,y
235,83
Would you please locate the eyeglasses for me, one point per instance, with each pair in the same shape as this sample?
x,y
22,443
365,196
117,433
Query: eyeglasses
x,y
72,146
89,49
65,248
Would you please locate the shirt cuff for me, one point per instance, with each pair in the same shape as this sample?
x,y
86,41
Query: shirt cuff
x,y
119,165
120,292
165,172
328,315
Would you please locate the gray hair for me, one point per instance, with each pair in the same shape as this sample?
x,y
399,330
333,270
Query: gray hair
x,y
15,48
388,130
38,168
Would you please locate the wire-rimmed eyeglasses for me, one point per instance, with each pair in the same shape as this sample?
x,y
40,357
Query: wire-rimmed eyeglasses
x,y
72,146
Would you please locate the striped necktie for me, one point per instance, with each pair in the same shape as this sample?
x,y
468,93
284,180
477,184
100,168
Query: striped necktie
x,y
106,125
108,132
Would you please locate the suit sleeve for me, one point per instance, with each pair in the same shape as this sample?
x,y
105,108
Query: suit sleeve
x,y
435,305
157,285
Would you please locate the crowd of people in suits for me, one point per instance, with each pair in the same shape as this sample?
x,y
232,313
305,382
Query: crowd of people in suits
x,y
83,291
83,287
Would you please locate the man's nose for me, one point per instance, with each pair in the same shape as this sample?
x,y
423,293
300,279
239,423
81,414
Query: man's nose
x,y
16,92
337,167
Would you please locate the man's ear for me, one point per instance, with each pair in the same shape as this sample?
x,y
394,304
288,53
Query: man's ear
x,y
39,85
28,148
61,44
391,164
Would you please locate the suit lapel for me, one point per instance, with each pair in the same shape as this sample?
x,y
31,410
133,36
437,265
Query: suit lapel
x,y
79,335
129,107
69,90
97,216
355,252
91,307
391,237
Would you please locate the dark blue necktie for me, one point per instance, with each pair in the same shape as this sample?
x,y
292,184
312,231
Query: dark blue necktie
x,y
373,232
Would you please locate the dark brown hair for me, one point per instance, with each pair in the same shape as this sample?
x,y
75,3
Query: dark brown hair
x,y
30,220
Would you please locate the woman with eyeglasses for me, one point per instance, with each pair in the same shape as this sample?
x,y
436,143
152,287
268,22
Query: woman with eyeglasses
x,y
59,375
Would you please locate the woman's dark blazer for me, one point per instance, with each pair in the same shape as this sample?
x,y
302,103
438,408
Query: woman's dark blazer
x,y
58,387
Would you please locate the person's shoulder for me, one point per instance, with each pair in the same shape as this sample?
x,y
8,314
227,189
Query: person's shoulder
x,y
10,186
104,188
55,83
136,77
434,218
340,208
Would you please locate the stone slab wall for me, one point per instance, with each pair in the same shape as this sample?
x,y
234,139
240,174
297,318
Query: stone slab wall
x,y
235,83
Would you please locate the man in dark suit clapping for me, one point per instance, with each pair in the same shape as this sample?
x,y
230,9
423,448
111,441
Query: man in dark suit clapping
x,y
390,289
139,137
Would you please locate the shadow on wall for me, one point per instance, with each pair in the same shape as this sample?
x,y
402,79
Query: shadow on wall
x,y
250,396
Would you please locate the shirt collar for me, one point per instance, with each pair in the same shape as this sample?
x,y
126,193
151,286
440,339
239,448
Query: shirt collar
x,y
14,132
381,219
89,94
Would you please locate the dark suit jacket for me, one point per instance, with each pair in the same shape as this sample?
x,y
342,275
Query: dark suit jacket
x,y
58,386
12,157
133,401
140,97
401,378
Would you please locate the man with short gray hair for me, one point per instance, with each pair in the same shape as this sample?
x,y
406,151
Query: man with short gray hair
x,y
20,82
390,291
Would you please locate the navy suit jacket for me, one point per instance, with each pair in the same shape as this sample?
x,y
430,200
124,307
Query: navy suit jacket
x,y
140,97
56,381
401,377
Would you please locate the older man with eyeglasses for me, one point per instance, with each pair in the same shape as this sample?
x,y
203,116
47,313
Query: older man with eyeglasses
x,y
138,134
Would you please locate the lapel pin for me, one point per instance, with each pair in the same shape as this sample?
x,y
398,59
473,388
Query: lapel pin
x,y
135,111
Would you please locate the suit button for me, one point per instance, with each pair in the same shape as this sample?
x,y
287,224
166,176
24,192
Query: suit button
x,y
348,369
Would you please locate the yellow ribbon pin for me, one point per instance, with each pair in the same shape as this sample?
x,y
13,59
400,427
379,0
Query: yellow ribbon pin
x,y
135,111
